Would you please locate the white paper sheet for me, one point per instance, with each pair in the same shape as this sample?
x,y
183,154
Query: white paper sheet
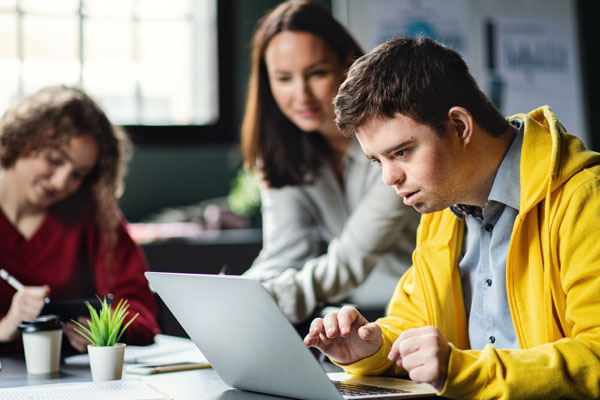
x,y
115,390
165,349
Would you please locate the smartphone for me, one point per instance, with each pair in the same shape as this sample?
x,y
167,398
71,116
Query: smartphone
x,y
158,368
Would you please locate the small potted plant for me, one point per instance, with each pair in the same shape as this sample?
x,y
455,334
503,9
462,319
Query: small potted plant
x,y
104,330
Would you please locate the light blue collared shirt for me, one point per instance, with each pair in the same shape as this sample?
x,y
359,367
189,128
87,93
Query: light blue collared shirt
x,y
485,250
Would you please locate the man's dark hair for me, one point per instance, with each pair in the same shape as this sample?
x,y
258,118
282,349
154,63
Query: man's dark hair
x,y
419,78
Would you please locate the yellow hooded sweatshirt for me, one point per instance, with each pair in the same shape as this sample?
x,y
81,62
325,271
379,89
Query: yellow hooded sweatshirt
x,y
552,281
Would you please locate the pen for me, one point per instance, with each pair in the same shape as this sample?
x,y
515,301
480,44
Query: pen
x,y
12,281
148,369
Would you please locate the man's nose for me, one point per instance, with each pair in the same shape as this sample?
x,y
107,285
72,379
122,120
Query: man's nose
x,y
392,175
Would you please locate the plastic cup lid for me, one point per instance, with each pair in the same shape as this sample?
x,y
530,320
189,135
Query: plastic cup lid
x,y
41,323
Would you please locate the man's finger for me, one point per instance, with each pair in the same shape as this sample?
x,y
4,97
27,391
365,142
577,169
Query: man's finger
x,y
330,323
409,345
346,317
314,339
369,332
310,340
316,327
412,361
394,353
417,332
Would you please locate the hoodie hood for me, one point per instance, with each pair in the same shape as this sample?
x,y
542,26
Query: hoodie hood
x,y
550,156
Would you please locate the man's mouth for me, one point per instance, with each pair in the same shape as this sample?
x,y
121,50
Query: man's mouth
x,y
409,197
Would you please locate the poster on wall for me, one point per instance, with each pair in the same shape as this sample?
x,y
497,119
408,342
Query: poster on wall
x,y
521,61
419,18
530,62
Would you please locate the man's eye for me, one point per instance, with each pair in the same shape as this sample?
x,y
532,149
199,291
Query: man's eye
x,y
376,162
400,153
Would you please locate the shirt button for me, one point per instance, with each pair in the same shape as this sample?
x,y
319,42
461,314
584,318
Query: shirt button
x,y
492,339
488,282
488,227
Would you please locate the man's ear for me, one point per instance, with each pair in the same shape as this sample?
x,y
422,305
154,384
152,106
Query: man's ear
x,y
461,124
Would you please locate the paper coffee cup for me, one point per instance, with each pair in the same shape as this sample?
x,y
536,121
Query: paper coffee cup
x,y
42,339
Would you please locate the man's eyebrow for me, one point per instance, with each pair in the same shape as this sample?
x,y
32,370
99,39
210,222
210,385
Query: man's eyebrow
x,y
397,147
390,149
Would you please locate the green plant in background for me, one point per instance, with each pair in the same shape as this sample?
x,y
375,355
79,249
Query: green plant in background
x,y
244,196
105,327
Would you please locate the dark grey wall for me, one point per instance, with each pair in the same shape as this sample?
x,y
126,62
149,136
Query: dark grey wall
x,y
175,176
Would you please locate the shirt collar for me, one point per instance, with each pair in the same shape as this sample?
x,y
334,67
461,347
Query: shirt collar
x,y
506,188
507,184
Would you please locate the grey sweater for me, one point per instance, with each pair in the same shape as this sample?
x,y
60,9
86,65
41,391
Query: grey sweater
x,y
369,231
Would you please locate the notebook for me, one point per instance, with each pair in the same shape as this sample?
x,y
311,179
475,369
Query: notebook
x,y
251,344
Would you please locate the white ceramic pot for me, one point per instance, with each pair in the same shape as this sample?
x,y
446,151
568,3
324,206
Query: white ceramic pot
x,y
106,362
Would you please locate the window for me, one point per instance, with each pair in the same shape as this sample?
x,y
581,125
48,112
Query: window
x,y
151,64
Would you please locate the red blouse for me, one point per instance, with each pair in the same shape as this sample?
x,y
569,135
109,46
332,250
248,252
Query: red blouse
x,y
66,254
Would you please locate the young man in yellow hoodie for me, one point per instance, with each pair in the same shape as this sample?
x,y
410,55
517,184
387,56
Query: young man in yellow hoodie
x,y
503,298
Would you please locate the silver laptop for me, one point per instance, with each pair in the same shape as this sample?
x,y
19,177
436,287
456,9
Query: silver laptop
x,y
250,343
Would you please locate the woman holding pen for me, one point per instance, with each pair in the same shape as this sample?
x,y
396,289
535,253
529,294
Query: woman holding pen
x,y
63,236
26,303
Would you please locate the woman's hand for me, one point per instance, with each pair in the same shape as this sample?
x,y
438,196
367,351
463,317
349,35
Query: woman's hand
x,y
26,303
78,342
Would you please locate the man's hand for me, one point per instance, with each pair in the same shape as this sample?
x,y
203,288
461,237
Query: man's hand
x,y
78,342
345,336
424,354
25,304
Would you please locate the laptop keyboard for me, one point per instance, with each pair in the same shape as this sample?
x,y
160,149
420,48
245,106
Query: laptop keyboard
x,y
355,389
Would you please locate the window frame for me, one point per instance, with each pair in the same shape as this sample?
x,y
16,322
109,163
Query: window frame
x,y
223,130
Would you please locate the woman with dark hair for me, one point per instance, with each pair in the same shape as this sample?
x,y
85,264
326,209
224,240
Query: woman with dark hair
x,y
317,184
63,235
